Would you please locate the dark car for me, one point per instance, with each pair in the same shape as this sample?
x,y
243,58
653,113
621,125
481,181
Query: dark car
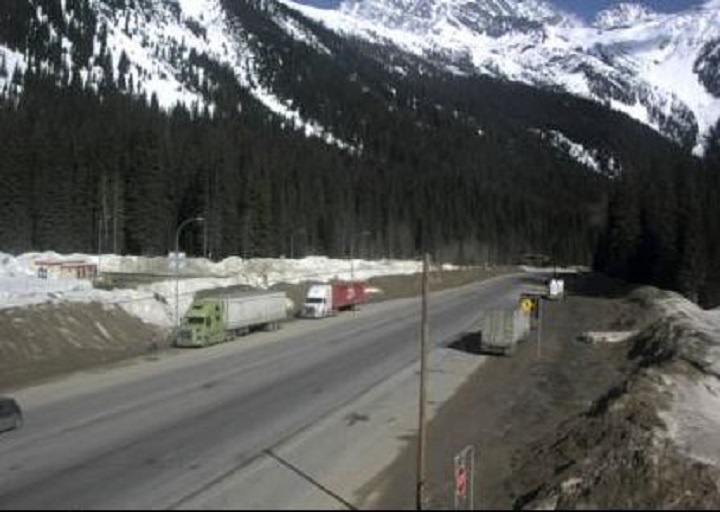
x,y
10,414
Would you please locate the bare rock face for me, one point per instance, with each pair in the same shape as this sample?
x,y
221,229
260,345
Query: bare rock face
x,y
707,66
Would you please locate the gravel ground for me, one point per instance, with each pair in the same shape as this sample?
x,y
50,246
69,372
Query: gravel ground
x,y
511,403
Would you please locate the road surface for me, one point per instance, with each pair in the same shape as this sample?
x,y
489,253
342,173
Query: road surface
x,y
164,434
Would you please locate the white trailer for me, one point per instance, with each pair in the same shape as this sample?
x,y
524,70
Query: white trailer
x,y
555,288
502,329
254,309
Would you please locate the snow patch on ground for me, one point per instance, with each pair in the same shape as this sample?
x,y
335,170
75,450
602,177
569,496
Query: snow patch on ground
x,y
693,418
576,151
10,60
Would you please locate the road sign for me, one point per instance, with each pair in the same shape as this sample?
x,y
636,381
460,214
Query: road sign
x,y
178,259
461,482
527,304
464,477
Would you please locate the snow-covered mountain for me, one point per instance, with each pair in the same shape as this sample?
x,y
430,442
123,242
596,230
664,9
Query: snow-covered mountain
x,y
659,68
662,69
624,15
172,50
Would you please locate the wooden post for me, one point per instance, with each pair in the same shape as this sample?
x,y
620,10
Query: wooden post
x,y
424,337
539,325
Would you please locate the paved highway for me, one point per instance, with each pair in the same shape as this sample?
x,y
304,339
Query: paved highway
x,y
161,434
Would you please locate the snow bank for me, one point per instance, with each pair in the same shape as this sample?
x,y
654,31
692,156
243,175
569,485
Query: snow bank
x,y
264,272
155,302
693,419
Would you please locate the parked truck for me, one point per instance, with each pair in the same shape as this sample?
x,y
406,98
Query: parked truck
x,y
555,288
502,329
219,318
327,299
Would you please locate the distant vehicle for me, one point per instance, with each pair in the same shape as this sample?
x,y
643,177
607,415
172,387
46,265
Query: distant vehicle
x,y
555,288
10,414
326,299
535,259
216,319
502,329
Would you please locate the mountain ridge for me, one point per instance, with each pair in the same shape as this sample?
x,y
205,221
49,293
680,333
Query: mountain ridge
x,y
645,70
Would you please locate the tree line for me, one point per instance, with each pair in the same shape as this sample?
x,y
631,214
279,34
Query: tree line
x,y
663,227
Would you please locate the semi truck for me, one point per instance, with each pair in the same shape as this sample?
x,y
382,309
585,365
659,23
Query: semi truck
x,y
502,329
327,299
219,318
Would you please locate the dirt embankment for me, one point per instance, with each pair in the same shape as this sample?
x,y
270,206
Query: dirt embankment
x,y
40,342
570,424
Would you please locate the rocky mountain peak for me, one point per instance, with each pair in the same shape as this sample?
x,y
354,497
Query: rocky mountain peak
x,y
623,15
476,16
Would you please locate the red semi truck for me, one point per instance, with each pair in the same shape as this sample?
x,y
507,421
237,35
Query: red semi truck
x,y
325,299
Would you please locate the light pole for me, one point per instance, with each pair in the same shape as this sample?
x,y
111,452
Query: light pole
x,y
420,488
292,241
177,265
352,252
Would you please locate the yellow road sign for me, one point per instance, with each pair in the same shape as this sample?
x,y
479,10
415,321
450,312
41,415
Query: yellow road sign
x,y
527,304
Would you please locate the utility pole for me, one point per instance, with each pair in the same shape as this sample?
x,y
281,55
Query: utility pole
x,y
539,324
177,266
99,248
424,336
205,243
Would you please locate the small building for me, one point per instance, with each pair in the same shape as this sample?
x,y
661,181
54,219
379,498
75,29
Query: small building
x,y
69,269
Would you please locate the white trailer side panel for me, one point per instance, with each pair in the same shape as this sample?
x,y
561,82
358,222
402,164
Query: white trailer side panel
x,y
502,329
255,309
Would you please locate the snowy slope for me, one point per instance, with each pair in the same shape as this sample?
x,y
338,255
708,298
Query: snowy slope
x,y
631,59
161,48
624,15
662,69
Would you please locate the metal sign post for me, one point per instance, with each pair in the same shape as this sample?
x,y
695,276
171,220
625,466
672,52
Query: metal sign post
x,y
422,434
539,325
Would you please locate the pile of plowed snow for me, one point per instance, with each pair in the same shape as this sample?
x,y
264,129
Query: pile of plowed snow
x,y
155,303
653,441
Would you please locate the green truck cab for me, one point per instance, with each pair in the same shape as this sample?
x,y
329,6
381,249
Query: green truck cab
x,y
203,324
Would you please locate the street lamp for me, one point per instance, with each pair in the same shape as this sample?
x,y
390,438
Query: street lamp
x,y
352,252
177,265
292,241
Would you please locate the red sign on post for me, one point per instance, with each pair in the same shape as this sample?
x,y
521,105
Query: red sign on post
x,y
460,482
465,478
